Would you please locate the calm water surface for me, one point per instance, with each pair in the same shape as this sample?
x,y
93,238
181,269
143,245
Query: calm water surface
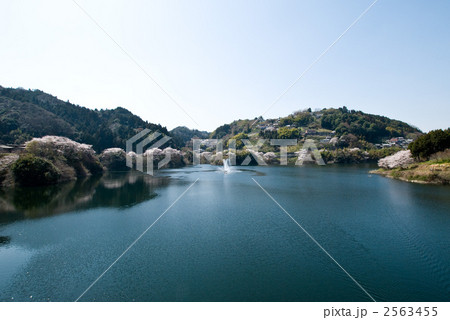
x,y
225,239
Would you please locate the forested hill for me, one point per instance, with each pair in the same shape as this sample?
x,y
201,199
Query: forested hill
x,y
325,122
183,135
33,113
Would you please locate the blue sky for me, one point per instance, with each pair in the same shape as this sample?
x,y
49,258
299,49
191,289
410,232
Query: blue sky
x,y
228,60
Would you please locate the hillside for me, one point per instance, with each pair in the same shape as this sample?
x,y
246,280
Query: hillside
x,y
183,135
329,122
25,114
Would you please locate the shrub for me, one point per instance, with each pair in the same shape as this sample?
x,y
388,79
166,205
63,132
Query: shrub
x,y
30,170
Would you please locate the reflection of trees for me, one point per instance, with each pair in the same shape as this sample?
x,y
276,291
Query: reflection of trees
x,y
125,190
4,240
110,190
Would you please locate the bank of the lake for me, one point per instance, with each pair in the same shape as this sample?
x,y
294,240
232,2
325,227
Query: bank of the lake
x,y
430,172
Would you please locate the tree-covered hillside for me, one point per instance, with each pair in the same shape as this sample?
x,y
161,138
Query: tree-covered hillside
x,y
183,135
336,122
236,127
33,113
369,127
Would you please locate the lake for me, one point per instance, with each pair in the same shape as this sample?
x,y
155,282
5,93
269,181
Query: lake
x,y
225,239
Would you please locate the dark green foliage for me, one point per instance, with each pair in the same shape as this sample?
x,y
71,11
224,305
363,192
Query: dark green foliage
x,y
221,131
297,119
234,128
91,163
182,135
242,154
19,121
30,170
302,119
376,154
25,114
348,140
346,155
432,142
371,128
239,144
366,128
268,134
286,121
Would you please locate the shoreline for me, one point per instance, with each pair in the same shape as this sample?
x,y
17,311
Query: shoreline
x,y
420,173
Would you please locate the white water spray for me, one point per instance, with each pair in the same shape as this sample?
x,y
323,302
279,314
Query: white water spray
x,y
226,166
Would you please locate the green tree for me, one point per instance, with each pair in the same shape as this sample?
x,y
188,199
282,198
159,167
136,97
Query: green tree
x,y
432,142
238,138
288,133
303,119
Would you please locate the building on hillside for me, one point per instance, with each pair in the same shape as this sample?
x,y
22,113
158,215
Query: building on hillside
x,y
397,141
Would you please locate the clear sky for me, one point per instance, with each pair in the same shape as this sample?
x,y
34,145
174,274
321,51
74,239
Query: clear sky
x,y
228,60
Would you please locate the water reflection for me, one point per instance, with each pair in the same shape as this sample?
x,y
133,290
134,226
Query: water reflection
x,y
4,240
110,190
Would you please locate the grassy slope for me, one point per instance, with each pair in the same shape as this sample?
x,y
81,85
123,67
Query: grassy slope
x,y
430,172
